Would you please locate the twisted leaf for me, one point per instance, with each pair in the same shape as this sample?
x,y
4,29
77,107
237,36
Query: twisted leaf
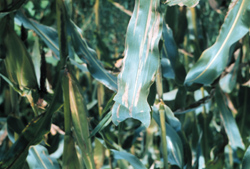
x,y
140,63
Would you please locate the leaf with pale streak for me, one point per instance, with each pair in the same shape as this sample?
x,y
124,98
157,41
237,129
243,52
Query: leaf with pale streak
x,y
214,60
140,63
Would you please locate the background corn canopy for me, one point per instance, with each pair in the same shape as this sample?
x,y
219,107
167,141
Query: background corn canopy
x,y
102,84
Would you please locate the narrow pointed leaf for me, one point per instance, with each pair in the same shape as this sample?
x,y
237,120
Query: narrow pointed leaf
x,y
213,60
235,140
140,63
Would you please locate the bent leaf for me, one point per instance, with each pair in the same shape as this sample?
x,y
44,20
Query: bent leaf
x,y
213,60
140,63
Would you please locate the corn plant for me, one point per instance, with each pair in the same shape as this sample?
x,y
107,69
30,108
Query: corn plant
x,y
124,84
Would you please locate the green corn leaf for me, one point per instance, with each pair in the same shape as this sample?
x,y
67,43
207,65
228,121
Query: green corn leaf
x,y
18,62
188,3
140,63
135,162
79,119
235,140
213,60
104,122
246,161
89,56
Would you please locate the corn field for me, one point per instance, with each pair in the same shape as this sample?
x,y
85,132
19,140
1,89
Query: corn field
x,y
120,84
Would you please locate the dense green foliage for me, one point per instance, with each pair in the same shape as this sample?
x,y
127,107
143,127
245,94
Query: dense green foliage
x,y
124,84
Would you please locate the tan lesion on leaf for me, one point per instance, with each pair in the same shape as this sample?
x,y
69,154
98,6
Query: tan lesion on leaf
x,y
137,95
117,111
125,96
137,15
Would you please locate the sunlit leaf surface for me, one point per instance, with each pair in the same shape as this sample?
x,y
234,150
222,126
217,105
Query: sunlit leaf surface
x,y
140,63
213,60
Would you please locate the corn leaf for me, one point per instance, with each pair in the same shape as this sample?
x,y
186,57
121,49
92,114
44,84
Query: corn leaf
x,y
235,140
140,63
213,60
18,62
79,119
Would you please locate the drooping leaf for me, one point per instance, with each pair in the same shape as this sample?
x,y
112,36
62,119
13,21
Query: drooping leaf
x,y
89,56
140,63
135,162
188,3
235,140
213,60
